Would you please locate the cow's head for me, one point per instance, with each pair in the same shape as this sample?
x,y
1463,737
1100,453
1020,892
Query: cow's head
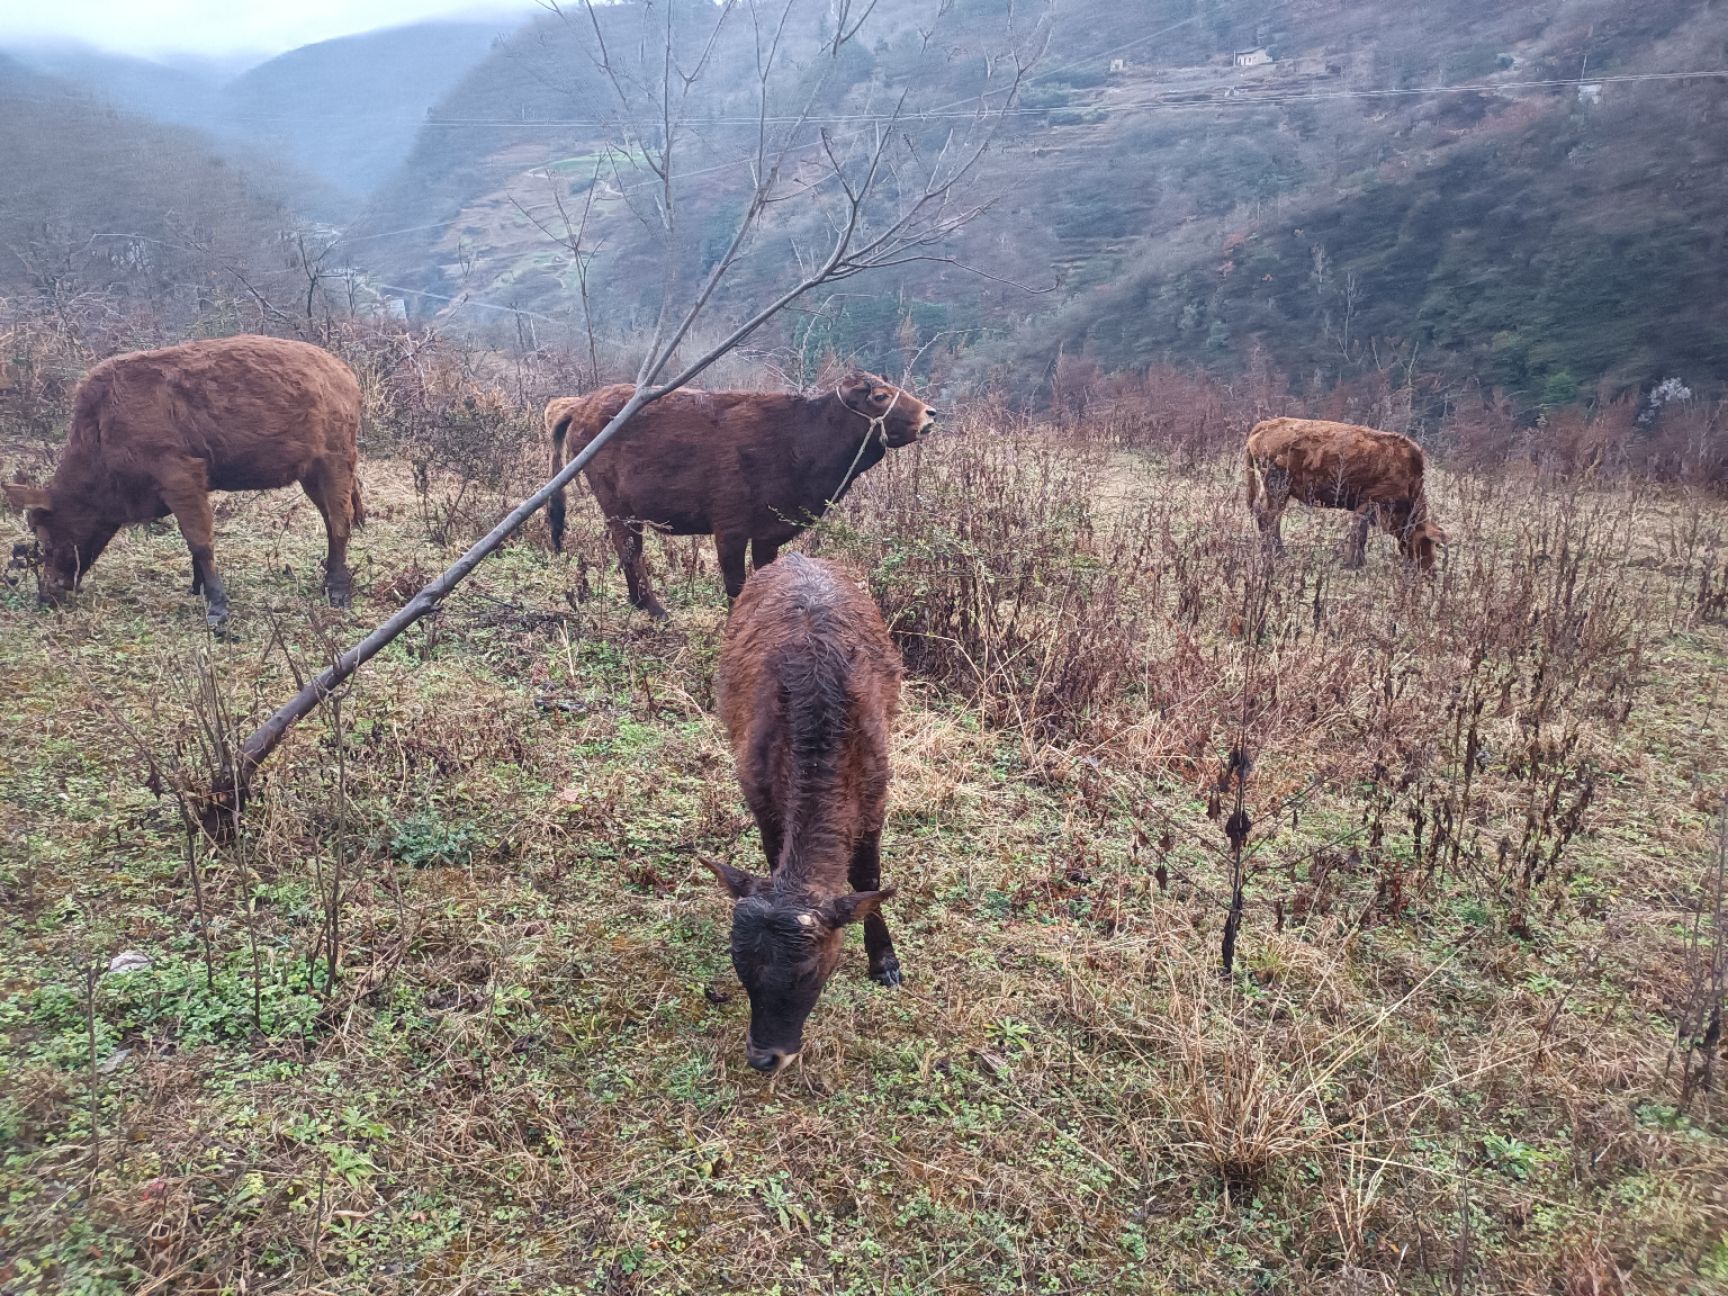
x,y
784,948
902,416
1419,541
70,537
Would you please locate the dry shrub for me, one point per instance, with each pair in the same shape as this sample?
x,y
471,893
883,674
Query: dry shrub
x,y
1257,1086
1000,574
448,412
1242,1112
47,342
1699,1014
1627,438
1183,414
1128,630
1189,416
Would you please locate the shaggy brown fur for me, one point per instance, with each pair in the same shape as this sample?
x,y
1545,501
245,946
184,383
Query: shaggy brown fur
x,y
154,432
749,468
808,687
1378,475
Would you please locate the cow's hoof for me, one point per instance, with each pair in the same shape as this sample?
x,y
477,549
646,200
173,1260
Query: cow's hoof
x,y
340,598
888,975
217,622
657,612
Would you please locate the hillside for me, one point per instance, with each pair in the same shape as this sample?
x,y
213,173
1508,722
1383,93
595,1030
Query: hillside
x,y
183,95
1434,189
348,110
343,111
1531,238
96,199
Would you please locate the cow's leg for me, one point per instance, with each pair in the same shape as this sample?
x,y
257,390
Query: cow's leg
x,y
1269,513
627,540
865,874
162,510
731,549
189,502
763,552
1356,539
331,488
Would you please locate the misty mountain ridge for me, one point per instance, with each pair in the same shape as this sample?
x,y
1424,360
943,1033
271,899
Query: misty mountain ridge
x,y
345,111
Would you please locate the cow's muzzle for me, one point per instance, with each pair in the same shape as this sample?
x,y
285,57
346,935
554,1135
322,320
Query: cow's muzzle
x,y
769,1061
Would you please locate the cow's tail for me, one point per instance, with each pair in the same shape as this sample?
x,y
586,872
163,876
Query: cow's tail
x,y
558,418
1253,480
357,505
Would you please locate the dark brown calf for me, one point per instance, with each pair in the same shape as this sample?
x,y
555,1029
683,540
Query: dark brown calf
x,y
808,687
154,432
752,469
1377,475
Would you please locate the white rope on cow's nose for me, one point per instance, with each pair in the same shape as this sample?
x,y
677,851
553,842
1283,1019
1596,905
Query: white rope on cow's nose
x,y
878,428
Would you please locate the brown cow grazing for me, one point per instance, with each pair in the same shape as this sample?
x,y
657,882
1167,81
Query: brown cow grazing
x,y
808,687
1378,475
154,432
749,468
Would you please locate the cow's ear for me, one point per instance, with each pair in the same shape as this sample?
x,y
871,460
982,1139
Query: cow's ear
x,y
22,497
737,882
855,906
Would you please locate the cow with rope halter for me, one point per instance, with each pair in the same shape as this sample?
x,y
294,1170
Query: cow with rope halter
x,y
751,469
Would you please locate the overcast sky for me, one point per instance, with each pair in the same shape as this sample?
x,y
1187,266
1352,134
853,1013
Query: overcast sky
x,y
222,28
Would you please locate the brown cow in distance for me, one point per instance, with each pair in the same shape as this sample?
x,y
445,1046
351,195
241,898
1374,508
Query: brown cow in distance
x,y
154,432
808,687
1377,475
752,469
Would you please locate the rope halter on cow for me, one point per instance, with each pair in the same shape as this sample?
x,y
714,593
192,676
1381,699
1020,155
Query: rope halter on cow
x,y
878,428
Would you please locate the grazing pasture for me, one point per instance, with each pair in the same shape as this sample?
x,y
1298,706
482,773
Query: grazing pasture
x,y
455,1011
